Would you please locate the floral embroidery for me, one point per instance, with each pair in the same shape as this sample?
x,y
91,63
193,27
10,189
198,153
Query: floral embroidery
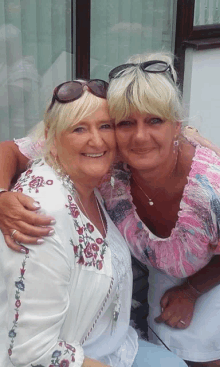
x,y
66,350
33,182
20,287
89,251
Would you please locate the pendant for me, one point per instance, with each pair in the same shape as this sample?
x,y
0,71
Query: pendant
x,y
150,202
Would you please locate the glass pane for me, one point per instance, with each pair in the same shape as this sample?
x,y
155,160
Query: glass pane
x,y
121,28
206,12
35,44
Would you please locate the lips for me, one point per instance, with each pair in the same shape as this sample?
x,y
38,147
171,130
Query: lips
x,y
141,151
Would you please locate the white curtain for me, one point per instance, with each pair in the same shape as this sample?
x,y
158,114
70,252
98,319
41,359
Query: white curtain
x,y
121,28
206,12
35,43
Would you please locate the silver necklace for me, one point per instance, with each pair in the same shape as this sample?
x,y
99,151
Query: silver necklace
x,y
150,201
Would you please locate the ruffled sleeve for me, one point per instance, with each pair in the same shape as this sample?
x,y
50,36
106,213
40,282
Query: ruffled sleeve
x,y
28,148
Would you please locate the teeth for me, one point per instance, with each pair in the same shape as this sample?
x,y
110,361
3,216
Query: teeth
x,y
94,155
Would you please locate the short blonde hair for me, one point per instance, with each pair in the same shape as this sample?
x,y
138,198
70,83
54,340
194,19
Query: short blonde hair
x,y
154,93
61,117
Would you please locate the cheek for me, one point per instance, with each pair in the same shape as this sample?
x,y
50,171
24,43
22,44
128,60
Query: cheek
x,y
122,139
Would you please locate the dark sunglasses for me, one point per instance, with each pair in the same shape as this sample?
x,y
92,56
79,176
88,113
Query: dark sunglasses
x,y
154,66
71,91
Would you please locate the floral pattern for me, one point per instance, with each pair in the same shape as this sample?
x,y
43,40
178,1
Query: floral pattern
x,y
89,251
31,181
20,287
57,359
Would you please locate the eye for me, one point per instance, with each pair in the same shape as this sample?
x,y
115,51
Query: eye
x,y
156,121
124,124
107,126
78,129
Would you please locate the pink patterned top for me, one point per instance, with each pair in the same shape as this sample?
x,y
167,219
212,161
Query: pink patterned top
x,y
196,236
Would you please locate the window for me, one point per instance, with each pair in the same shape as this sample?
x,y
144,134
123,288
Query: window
x,y
35,56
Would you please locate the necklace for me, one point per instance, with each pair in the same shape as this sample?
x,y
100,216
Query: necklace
x,y
99,211
150,200
69,184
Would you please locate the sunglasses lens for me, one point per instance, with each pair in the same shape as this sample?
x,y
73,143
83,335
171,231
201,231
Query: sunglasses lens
x,y
157,67
69,91
98,87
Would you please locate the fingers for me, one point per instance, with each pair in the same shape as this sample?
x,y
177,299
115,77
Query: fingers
x,y
36,235
15,246
174,319
28,202
164,301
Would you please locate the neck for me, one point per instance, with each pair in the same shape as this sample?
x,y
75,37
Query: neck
x,y
157,177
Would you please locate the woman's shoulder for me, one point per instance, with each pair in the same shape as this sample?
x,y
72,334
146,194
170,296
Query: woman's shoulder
x,y
41,183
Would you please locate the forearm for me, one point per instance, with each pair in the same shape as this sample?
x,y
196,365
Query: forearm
x,y
88,362
208,277
12,163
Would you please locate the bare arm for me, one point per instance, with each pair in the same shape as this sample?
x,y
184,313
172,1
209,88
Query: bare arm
x,y
178,302
18,211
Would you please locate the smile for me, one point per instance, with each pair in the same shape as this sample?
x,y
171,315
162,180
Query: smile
x,y
93,155
141,151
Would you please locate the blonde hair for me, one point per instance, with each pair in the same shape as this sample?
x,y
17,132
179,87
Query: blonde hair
x,y
61,117
136,90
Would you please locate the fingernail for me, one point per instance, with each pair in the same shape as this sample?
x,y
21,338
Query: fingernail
x,y
53,221
36,204
24,250
51,232
40,241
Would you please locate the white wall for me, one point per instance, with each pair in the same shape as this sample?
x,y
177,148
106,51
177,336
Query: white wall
x,y
201,91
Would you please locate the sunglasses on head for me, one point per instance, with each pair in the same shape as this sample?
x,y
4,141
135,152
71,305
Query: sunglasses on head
x,y
154,66
71,91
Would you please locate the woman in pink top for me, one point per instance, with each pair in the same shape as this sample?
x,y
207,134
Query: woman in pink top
x,y
163,194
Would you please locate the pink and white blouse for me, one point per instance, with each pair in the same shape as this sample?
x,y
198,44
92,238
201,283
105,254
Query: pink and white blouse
x,y
196,236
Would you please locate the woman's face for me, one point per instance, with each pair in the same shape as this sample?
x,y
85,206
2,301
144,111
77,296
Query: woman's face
x,y
88,149
145,141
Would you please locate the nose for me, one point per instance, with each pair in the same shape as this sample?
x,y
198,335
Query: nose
x,y
96,138
141,133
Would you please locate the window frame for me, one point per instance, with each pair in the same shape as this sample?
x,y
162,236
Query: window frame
x,y
198,37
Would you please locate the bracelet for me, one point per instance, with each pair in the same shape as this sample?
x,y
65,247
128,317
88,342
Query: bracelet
x,y
2,190
193,288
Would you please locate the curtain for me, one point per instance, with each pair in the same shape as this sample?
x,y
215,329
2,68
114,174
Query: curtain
x,y
206,12
35,44
121,28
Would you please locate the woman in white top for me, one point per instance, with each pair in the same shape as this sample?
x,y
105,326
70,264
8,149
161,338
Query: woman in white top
x,y
68,301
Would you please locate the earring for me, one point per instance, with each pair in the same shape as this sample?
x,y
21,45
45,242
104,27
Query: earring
x,y
175,144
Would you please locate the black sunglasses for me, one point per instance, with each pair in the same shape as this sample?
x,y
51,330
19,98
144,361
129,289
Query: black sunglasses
x,y
71,91
154,66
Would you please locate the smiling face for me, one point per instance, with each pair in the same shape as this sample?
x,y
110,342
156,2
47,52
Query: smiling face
x,y
87,149
145,141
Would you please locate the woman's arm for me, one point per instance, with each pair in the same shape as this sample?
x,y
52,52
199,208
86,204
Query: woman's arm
x,y
18,211
178,302
193,136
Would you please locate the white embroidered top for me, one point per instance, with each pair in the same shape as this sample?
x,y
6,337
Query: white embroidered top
x,y
61,296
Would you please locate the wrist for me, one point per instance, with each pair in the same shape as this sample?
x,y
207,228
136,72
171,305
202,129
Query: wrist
x,y
196,291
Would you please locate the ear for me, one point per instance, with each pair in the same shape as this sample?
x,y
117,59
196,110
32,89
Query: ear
x,y
53,149
46,133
